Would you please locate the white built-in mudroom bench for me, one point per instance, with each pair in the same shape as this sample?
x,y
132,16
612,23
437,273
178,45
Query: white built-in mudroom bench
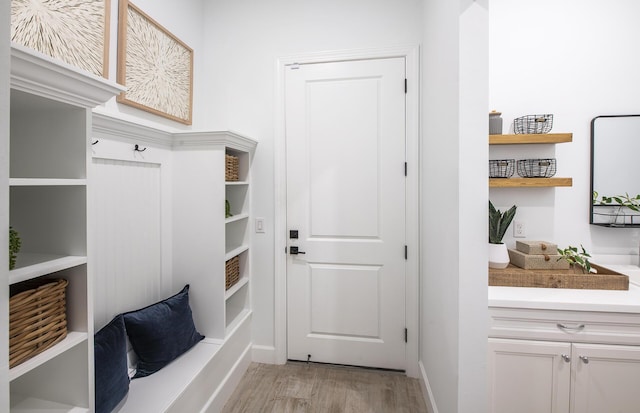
x,y
565,350
128,214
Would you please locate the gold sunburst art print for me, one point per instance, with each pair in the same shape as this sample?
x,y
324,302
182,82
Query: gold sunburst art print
x,y
154,65
74,31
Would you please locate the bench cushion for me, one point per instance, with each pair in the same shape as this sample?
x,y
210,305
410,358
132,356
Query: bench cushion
x,y
110,353
161,332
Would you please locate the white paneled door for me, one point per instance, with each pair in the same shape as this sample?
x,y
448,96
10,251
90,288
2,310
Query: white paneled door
x,y
345,139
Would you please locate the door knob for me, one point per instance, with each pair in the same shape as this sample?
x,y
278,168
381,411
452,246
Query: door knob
x,y
566,358
584,359
295,251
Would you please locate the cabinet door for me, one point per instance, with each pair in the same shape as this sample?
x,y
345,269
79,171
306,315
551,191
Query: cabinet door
x,y
528,376
607,379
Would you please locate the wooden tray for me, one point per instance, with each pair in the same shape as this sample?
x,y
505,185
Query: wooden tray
x,y
513,276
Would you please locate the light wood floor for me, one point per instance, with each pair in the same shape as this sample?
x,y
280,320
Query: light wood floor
x,y
300,387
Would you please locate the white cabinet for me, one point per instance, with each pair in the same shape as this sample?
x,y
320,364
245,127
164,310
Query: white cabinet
x,y
606,378
587,366
50,117
528,376
204,238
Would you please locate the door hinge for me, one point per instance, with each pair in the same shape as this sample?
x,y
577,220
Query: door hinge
x,y
406,335
406,252
405,85
405,169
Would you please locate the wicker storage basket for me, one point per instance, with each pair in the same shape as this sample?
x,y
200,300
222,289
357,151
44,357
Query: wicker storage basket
x,y
232,272
37,319
231,168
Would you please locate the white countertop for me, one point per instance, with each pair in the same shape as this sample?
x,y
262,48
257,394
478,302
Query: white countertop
x,y
577,300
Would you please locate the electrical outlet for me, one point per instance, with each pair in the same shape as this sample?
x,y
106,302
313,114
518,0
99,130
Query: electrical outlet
x,y
519,229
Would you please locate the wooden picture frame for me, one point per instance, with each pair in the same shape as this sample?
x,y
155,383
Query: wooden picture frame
x,y
154,65
75,32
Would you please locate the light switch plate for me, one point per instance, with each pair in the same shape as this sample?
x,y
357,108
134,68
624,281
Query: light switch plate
x,y
260,225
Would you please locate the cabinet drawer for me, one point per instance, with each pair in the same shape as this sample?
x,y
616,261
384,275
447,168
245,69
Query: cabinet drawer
x,y
574,326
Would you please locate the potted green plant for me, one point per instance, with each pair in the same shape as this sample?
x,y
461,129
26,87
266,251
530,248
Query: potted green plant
x,y
578,260
498,223
14,247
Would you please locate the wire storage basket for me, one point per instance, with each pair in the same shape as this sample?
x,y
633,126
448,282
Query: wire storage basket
x,y
533,124
537,168
501,168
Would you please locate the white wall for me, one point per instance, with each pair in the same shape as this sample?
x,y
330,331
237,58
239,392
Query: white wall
x,y
454,207
577,60
244,40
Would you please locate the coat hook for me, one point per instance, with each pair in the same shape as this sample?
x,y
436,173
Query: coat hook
x,y
93,143
137,148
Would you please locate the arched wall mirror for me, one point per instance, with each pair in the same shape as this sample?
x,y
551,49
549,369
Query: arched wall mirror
x,y
615,171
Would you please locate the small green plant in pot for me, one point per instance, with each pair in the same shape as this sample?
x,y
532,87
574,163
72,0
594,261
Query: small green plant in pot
x,y
498,223
577,259
14,247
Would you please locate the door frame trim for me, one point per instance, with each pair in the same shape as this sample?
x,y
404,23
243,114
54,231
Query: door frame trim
x,y
411,54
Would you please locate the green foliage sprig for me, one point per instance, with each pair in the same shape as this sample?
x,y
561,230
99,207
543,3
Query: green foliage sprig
x,y
499,222
631,202
14,247
227,209
576,257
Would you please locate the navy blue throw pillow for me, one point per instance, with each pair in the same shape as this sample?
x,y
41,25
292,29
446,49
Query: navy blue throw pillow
x,y
161,332
111,375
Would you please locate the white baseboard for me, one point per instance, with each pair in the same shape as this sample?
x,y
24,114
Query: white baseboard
x,y
263,354
426,390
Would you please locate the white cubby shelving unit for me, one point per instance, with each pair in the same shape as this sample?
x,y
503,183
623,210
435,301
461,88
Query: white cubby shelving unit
x,y
200,252
50,123
237,237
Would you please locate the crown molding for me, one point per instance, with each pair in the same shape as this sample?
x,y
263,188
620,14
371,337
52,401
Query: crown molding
x,y
209,139
109,127
36,73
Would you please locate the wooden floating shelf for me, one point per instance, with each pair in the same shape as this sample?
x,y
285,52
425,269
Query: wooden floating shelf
x,y
530,138
529,182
